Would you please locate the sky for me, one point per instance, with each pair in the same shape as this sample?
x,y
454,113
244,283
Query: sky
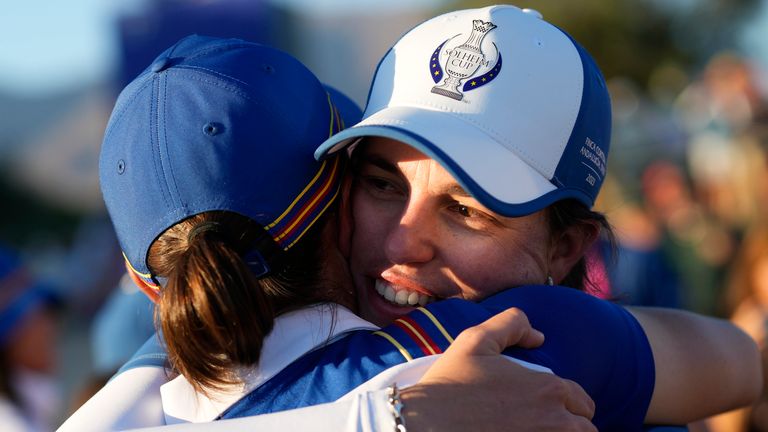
x,y
52,45
756,37
47,45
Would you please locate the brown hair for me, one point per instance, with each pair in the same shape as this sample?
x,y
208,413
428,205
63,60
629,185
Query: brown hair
x,y
569,213
214,312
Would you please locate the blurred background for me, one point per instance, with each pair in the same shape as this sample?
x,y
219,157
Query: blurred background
x,y
687,190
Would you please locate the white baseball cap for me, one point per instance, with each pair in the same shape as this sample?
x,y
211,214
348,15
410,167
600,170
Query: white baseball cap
x,y
508,103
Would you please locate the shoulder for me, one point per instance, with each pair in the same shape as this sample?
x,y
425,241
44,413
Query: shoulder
x,y
130,400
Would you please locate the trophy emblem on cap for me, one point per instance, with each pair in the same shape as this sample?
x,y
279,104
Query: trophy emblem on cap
x,y
464,60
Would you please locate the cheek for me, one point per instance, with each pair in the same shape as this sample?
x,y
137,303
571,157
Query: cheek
x,y
488,265
484,274
369,230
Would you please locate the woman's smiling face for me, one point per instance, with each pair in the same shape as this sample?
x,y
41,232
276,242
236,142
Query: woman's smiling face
x,y
418,236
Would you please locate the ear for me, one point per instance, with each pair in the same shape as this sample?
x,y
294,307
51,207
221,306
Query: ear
x,y
346,226
571,246
150,290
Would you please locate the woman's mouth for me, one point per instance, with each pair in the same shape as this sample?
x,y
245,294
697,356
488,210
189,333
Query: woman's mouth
x,y
401,296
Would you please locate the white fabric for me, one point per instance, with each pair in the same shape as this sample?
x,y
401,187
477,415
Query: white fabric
x,y
129,400
137,397
364,409
367,412
295,334
408,374
523,134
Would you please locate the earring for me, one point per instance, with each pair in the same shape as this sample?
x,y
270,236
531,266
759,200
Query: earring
x,y
550,282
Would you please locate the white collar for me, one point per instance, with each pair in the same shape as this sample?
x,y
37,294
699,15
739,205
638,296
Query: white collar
x,y
294,334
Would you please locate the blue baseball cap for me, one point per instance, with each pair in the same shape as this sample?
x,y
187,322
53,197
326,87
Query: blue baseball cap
x,y
511,105
219,124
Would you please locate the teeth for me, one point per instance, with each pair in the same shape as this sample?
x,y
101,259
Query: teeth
x,y
389,294
413,298
401,297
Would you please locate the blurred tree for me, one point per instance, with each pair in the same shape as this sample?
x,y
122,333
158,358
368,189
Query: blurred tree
x,y
632,38
29,219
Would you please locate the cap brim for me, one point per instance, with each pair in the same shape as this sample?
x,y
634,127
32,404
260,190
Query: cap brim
x,y
488,170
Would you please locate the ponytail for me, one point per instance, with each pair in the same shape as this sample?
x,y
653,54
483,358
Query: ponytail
x,y
214,313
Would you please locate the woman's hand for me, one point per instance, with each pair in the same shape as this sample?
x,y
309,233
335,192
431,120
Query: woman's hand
x,y
473,388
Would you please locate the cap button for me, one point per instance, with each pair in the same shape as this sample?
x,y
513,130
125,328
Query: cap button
x,y
160,64
533,12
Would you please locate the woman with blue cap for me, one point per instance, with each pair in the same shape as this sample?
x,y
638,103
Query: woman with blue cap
x,y
212,222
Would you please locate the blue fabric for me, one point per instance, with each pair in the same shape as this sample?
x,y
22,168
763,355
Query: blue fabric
x,y
595,343
217,124
586,154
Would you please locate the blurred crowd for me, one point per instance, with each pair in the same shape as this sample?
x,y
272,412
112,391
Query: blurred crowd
x,y
687,187
61,341
688,198
687,194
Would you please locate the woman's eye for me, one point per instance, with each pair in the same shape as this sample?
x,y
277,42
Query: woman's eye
x,y
380,184
471,216
380,187
465,211
462,210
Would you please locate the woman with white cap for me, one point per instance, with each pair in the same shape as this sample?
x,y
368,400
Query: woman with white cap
x,y
481,151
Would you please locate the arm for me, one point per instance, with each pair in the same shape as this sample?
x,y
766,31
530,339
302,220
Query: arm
x,y
703,365
450,396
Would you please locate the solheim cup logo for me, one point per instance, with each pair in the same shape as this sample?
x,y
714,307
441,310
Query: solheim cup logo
x,y
463,62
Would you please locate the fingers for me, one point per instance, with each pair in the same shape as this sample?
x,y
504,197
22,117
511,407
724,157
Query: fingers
x,y
508,328
581,424
577,401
